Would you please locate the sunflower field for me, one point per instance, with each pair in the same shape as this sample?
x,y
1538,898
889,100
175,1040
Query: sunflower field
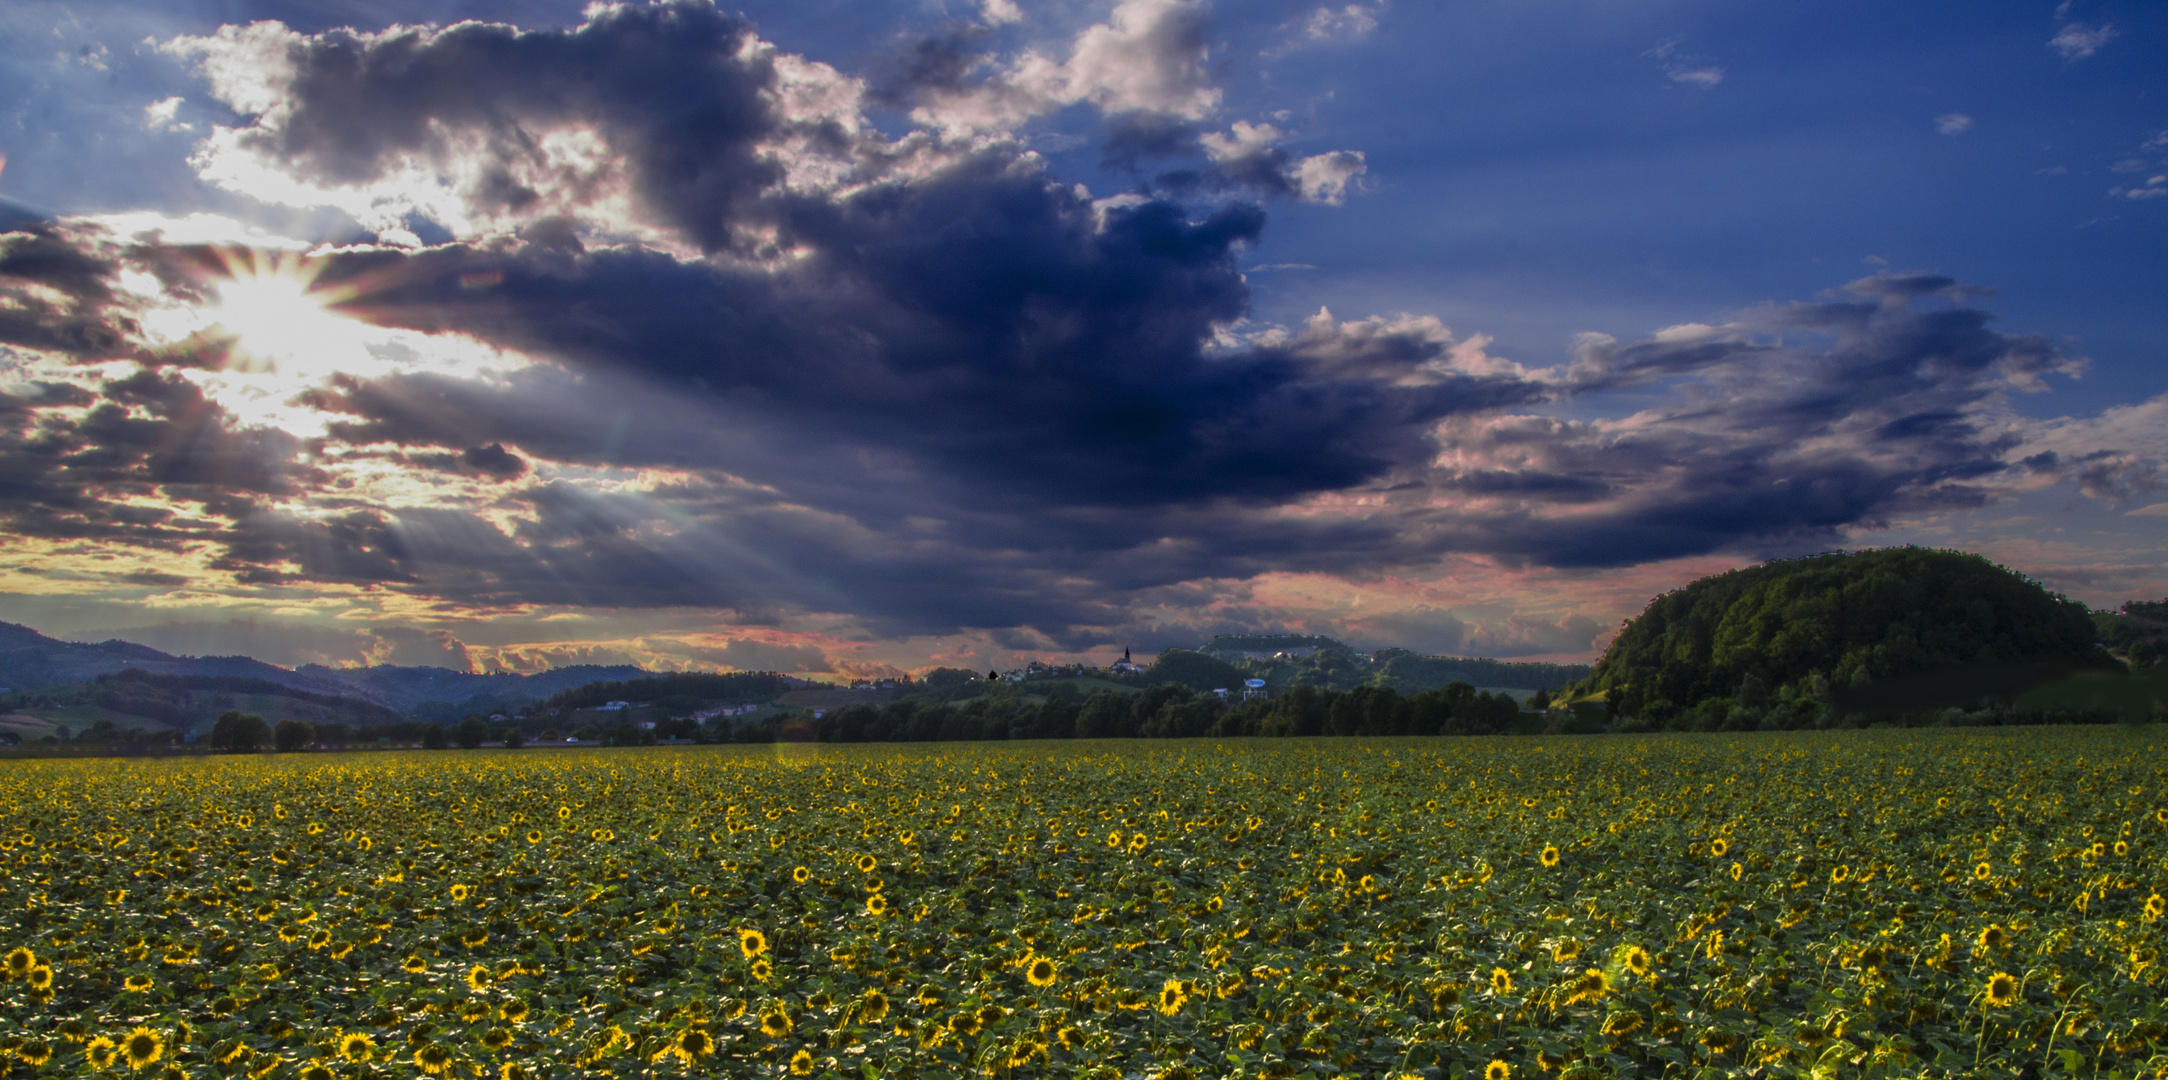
x,y
1884,903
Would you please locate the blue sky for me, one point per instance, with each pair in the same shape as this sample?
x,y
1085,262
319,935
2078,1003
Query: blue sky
x,y
1601,277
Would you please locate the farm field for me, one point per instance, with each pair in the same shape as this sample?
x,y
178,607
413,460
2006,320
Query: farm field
x,y
1880,903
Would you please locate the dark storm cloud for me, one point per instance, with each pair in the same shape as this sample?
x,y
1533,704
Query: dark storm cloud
x,y
68,453
990,325
669,87
56,294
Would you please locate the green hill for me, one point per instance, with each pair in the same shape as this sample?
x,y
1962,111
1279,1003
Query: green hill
x,y
1895,629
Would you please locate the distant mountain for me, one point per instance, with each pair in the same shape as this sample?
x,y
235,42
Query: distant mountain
x,y
29,659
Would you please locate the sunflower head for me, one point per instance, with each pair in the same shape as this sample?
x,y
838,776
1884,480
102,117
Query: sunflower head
x,y
2155,907
1497,1070
762,969
752,942
1637,960
867,864
775,1023
355,1046
1171,997
317,1072
1040,972
433,1059
1993,938
142,1047
875,1006
800,874
20,962
41,977
2001,989
876,904
801,1063
1501,981
35,1052
1549,855
1840,875
514,1011
415,965
478,977
101,1052
695,1043
496,1038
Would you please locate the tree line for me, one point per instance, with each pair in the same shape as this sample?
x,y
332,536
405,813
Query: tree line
x,y
1164,711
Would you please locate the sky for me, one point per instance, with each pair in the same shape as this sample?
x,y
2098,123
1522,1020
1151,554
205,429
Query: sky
x,y
848,338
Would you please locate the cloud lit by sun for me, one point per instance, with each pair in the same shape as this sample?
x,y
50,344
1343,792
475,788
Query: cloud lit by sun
x,y
283,334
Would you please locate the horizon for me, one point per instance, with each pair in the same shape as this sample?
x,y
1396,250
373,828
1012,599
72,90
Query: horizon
x,y
851,340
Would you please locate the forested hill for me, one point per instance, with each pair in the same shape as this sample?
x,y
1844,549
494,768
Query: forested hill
x,y
1840,623
1284,660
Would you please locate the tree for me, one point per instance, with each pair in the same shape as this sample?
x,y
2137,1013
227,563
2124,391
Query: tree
x,y
434,737
292,735
240,733
514,738
1106,715
473,732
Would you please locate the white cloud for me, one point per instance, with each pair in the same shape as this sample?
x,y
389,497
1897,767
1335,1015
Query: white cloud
x,y
1953,123
158,115
2159,509
1324,178
2077,41
1149,56
1342,24
1702,78
998,12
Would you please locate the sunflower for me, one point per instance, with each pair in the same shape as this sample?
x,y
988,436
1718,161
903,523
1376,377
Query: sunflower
x,y
415,964
355,1046
2155,907
514,1011
142,1047
752,942
1591,986
317,1072
1230,985
478,977
41,977
801,1063
20,962
762,969
876,904
496,1038
1737,871
693,1044
1994,938
459,893
1549,856
534,836
1637,960
1982,872
234,1054
35,1052
1497,1070
1719,847
867,864
1501,981
2001,989
1040,973
1618,1025
101,1052
874,1008
513,1071
800,874
775,1023
1171,997
433,1059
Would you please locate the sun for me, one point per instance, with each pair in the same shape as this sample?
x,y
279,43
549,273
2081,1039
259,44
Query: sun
x,y
281,324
